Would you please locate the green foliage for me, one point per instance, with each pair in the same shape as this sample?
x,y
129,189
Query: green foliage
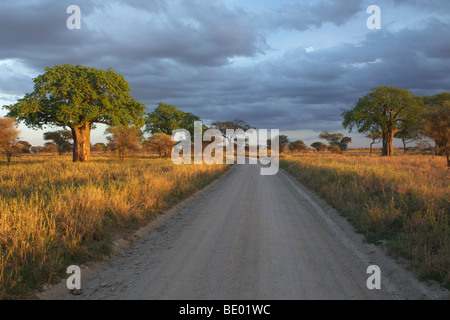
x,y
375,136
78,97
436,122
168,118
408,135
70,96
99,147
61,138
336,139
386,108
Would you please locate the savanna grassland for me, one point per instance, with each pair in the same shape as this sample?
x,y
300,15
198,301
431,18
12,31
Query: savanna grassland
x,y
401,202
54,213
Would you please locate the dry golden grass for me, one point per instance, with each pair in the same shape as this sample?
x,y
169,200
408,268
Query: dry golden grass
x,y
54,213
403,199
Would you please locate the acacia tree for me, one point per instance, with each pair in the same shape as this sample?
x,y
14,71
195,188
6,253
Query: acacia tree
x,y
386,109
283,143
408,135
336,139
319,146
125,139
227,127
51,147
61,138
98,147
376,138
8,137
161,143
24,146
78,97
298,146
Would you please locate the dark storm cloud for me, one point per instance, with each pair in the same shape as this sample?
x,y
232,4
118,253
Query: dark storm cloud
x,y
181,52
35,33
192,33
412,59
302,90
12,83
303,16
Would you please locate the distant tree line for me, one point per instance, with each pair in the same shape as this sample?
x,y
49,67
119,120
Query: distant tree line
x,y
338,143
76,98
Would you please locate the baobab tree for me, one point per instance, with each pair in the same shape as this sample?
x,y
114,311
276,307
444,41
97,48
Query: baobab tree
x,y
387,109
78,97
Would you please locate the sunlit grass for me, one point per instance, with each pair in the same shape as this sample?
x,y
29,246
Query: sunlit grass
x,y
54,213
403,200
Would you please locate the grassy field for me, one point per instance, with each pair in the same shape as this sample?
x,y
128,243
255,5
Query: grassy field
x,y
402,202
54,213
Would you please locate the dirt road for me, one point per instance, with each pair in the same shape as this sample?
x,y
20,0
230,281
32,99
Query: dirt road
x,y
252,237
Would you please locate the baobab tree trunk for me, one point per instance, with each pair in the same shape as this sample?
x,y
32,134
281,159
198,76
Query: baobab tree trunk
x,y
82,142
388,144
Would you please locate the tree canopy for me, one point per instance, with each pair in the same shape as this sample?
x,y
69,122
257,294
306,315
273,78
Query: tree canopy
x,y
319,146
408,135
168,118
298,146
387,110
227,127
283,143
336,139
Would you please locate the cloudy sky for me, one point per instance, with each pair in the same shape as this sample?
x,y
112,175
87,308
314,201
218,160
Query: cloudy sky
x,y
291,65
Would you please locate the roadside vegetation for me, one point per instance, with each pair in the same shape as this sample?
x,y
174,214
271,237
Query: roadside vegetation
x,y
402,202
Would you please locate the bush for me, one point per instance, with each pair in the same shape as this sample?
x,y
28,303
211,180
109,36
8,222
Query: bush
x,y
335,149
